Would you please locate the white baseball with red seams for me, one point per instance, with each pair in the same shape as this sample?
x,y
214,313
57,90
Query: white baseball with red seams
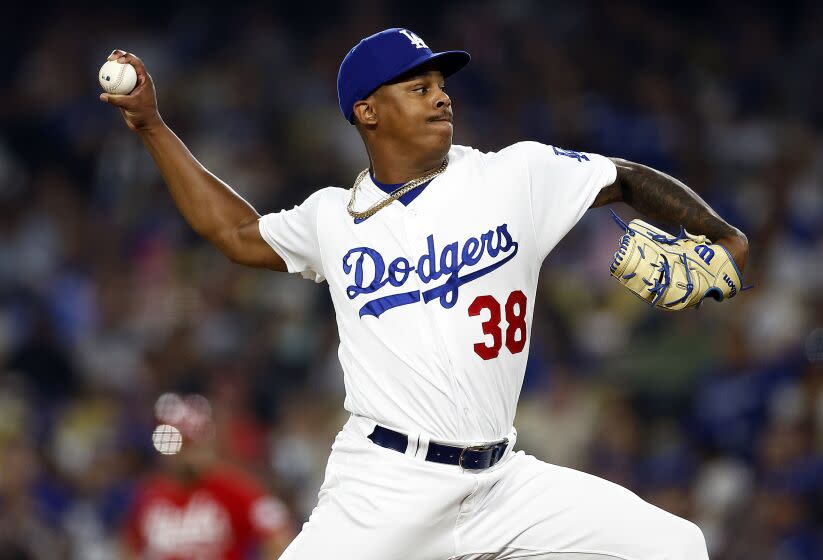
x,y
434,305
117,78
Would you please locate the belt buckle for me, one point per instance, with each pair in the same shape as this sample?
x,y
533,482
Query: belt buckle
x,y
486,447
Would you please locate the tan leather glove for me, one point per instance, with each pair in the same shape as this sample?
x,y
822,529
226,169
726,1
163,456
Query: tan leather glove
x,y
673,273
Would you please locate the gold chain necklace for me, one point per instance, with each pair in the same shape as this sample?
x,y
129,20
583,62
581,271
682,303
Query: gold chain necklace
x,y
380,204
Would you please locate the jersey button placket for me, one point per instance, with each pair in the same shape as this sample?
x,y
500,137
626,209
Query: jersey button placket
x,y
418,228
415,239
416,233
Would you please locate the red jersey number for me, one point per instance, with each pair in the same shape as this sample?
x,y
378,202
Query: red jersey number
x,y
515,317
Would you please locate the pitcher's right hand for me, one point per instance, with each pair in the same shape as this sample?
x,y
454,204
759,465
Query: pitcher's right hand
x,y
139,108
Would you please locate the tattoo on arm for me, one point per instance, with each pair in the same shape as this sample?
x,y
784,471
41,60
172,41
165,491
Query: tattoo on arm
x,y
664,199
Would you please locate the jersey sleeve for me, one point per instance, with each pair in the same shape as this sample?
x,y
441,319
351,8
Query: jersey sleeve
x,y
562,186
292,234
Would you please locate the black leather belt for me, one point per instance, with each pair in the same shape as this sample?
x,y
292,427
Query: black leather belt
x,y
472,457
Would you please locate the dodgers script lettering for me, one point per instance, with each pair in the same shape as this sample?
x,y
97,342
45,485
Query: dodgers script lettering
x,y
371,274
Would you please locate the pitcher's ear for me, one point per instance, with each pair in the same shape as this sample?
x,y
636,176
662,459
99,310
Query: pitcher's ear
x,y
364,112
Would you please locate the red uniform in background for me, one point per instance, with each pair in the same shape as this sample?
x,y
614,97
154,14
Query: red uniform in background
x,y
223,514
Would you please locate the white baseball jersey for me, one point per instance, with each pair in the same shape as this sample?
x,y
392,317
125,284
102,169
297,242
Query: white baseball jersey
x,y
434,300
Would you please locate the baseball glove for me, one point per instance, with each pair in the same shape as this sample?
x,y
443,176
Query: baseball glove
x,y
673,273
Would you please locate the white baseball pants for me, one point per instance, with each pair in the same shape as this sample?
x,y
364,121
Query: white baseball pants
x,y
379,504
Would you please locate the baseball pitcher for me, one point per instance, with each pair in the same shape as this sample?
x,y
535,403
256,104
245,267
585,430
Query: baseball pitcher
x,y
432,260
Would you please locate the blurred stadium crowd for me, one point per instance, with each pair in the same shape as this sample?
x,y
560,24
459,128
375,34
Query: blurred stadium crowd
x,y
108,300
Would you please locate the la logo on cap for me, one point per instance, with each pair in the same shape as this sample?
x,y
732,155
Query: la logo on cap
x,y
415,39
382,57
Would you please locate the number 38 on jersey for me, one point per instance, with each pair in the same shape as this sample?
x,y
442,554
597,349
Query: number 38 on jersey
x,y
514,311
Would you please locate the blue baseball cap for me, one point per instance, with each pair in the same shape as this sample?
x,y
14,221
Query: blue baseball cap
x,y
381,57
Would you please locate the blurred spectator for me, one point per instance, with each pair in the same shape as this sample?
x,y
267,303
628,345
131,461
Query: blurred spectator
x,y
25,530
616,451
558,422
198,506
731,405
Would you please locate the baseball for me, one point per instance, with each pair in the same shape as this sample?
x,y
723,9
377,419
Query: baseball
x,y
117,78
167,439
